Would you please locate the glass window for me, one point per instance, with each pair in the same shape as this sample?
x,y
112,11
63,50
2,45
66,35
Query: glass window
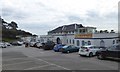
x,y
113,41
89,43
117,41
83,43
70,41
67,40
80,31
78,42
73,41
102,43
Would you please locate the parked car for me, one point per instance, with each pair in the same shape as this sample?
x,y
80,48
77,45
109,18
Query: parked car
x,y
16,43
69,49
32,44
89,50
2,45
57,47
110,52
49,45
8,44
38,45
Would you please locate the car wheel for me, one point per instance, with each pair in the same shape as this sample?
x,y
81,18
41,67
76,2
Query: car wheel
x,y
68,51
90,54
80,55
99,56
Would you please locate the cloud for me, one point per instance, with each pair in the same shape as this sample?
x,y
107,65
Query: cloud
x,y
13,13
74,18
7,11
40,16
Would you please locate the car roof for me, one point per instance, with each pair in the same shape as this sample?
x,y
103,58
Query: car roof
x,y
88,45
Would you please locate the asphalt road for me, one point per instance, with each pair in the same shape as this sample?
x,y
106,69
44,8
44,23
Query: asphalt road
x,y
21,58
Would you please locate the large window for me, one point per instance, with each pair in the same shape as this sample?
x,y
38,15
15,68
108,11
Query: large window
x,y
73,41
89,43
117,41
102,43
113,41
67,40
78,43
83,43
70,41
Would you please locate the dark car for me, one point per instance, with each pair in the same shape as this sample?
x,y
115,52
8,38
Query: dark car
x,y
110,52
16,43
69,49
49,45
57,47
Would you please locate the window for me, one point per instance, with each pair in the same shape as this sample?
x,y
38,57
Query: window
x,y
117,41
113,41
78,42
80,31
89,43
83,43
70,41
73,41
67,40
102,43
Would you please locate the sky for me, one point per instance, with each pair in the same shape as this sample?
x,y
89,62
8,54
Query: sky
x,y
41,16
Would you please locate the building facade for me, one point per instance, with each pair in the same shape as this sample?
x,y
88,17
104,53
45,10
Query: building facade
x,y
78,35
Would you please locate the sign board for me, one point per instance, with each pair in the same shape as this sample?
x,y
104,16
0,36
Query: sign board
x,y
83,36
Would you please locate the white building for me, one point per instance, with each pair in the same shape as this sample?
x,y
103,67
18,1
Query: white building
x,y
78,35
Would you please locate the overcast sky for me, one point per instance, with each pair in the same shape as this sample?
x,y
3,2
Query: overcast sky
x,y
40,16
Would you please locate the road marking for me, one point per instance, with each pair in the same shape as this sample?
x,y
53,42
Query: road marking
x,y
13,59
17,63
36,67
52,64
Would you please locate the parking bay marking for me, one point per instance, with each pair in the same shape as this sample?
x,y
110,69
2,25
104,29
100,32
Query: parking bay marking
x,y
13,59
17,63
52,64
36,67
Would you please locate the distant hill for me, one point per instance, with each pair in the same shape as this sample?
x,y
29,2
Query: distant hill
x,y
10,31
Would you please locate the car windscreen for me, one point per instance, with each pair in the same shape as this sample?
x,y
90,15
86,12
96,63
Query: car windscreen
x,y
83,47
64,46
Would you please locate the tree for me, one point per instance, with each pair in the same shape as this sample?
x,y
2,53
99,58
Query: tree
x,y
101,31
13,25
112,31
106,31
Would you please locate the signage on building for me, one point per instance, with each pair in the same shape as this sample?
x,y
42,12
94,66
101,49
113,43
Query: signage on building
x,y
83,36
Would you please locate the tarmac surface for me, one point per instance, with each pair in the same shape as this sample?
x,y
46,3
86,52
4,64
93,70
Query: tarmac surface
x,y
21,58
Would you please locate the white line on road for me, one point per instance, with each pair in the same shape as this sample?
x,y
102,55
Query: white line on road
x,y
52,64
13,59
36,67
17,63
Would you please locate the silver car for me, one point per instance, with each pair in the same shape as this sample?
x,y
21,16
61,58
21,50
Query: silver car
x,y
2,45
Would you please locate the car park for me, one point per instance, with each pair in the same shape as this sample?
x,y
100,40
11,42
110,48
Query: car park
x,y
32,44
69,49
38,45
88,50
16,43
2,45
57,47
110,52
7,44
49,45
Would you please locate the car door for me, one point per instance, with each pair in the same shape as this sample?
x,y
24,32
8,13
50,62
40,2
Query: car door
x,y
117,51
92,49
71,49
110,52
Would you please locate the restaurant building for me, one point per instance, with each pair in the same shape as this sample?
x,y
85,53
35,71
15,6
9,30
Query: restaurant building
x,y
79,35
